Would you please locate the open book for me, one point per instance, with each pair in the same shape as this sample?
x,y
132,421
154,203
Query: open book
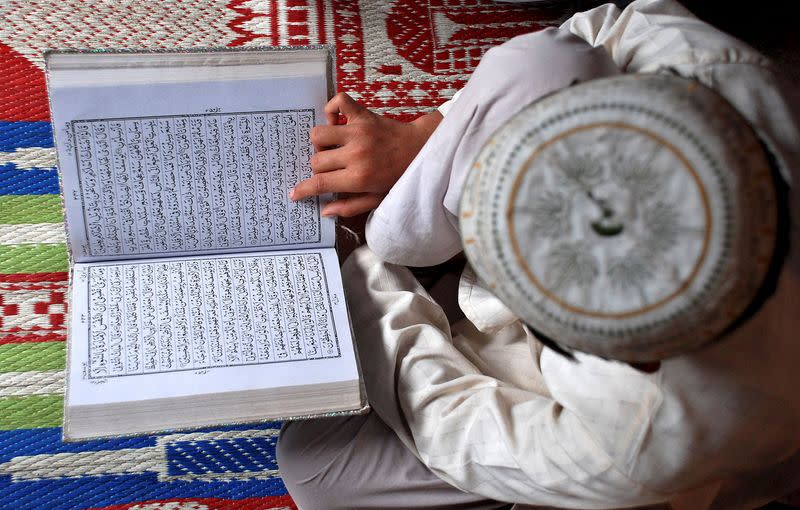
x,y
200,294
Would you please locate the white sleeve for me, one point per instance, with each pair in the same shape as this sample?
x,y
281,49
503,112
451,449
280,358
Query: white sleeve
x,y
653,35
445,107
474,431
417,223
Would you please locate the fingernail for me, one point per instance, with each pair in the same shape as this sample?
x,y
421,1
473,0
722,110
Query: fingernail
x,y
329,211
291,194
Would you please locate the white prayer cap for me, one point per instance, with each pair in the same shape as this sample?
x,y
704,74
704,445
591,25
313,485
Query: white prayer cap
x,y
631,217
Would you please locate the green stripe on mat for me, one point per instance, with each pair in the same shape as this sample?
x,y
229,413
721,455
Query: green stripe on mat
x,y
41,258
31,412
32,356
16,209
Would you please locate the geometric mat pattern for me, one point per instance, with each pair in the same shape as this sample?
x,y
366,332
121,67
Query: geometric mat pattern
x,y
399,57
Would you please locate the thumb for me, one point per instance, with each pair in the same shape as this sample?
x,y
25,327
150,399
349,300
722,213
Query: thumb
x,y
344,104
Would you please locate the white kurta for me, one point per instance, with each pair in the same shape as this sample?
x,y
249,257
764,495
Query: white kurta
x,y
492,412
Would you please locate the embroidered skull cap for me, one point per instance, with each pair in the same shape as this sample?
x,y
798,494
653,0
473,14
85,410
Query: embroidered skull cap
x,y
631,217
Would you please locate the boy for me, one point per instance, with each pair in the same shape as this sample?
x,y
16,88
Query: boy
x,y
481,413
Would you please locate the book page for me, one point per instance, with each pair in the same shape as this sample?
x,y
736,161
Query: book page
x,y
187,326
188,183
188,168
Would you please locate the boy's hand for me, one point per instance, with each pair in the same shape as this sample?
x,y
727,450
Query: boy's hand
x,y
363,157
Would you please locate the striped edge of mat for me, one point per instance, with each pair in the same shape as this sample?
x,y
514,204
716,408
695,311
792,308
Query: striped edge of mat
x,y
31,384
32,251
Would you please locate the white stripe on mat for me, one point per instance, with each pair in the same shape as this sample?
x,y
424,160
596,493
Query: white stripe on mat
x,y
30,157
107,462
17,384
32,233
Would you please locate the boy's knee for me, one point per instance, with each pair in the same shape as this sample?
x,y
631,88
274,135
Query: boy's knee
x,y
293,464
307,452
301,468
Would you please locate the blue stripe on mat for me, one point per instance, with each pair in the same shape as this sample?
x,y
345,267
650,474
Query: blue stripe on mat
x,y
27,182
186,457
15,135
94,491
235,455
23,442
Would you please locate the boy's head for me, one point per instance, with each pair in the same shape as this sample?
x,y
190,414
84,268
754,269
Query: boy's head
x,y
634,217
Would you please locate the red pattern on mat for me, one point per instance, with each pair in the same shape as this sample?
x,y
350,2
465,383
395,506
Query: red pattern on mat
x,y
32,308
248,15
401,57
31,337
423,51
279,23
23,95
454,37
34,277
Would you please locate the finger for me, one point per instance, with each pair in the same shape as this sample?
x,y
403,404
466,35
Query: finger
x,y
326,161
328,136
353,205
319,184
341,103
